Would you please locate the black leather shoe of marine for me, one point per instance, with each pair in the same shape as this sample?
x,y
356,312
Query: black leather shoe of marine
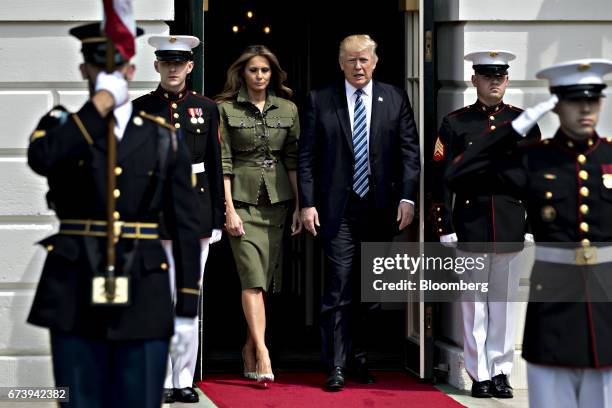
x,y
186,394
481,389
168,396
500,387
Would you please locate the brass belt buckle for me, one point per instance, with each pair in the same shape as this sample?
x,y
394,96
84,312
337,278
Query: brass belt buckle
x,y
99,295
586,256
117,229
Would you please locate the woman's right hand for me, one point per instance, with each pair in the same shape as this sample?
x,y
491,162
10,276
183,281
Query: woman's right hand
x,y
233,224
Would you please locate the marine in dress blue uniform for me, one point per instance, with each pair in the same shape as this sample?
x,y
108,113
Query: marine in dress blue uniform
x,y
198,119
567,187
487,217
113,355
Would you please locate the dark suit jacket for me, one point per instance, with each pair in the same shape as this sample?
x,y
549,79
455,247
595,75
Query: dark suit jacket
x,y
326,158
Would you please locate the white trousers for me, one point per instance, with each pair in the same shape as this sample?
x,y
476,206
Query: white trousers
x,y
489,323
569,388
181,368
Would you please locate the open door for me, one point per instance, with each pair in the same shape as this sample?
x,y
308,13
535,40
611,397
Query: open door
x,y
420,85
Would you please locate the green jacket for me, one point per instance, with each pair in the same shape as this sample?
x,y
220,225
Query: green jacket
x,y
259,147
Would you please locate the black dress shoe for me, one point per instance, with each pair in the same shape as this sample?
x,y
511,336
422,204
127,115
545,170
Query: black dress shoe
x,y
168,396
481,389
187,394
500,387
362,375
335,381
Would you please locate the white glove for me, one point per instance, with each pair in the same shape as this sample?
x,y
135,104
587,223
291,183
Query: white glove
x,y
449,240
529,239
115,84
184,330
528,119
215,236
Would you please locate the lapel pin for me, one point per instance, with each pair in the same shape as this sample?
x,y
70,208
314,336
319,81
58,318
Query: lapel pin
x,y
380,99
137,121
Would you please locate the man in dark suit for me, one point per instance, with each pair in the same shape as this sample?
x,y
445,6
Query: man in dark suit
x,y
110,350
358,177
198,118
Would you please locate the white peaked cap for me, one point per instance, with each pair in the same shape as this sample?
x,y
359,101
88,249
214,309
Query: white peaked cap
x,y
173,42
578,72
491,57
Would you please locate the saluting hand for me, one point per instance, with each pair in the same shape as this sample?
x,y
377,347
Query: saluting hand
x,y
310,219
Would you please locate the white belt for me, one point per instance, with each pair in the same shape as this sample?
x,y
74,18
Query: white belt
x,y
197,168
576,256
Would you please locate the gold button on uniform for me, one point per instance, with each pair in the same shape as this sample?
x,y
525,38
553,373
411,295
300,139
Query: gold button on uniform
x,y
439,229
584,209
201,189
584,191
549,195
467,202
439,219
437,208
174,106
180,95
163,266
116,193
50,248
118,171
197,130
581,158
493,127
584,227
586,242
491,117
176,115
177,125
165,95
583,174
116,215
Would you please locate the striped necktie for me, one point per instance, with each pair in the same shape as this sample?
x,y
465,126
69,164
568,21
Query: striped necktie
x,y
360,147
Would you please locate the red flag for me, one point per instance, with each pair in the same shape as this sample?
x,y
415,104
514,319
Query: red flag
x,y
120,26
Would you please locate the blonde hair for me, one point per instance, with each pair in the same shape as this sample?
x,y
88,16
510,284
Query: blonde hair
x,y
234,80
358,43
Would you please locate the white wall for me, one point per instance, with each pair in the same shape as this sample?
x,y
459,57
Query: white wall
x,y
39,66
541,33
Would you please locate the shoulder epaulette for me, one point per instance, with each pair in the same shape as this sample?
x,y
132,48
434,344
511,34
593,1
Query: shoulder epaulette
x,y
157,119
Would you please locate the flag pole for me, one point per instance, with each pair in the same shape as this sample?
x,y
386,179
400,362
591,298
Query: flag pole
x,y
112,235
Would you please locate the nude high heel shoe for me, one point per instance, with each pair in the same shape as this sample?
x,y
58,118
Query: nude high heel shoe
x,y
251,375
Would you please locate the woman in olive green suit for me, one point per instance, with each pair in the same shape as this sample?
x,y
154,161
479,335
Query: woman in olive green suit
x,y
259,132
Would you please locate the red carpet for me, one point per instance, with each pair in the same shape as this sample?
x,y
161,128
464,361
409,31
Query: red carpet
x,y
296,390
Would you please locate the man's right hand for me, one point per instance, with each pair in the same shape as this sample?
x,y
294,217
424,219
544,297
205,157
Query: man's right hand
x,y
115,84
530,116
310,219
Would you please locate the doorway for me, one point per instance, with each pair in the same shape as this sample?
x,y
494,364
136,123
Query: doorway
x,y
306,44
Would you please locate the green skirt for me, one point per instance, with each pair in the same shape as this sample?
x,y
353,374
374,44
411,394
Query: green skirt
x,y
258,253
